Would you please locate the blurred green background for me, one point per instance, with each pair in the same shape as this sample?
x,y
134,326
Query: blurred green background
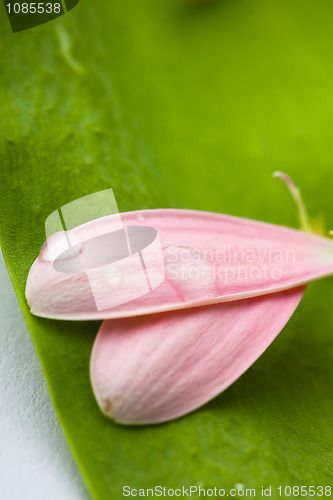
x,y
175,104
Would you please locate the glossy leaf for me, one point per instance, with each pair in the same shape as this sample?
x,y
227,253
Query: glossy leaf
x,y
177,105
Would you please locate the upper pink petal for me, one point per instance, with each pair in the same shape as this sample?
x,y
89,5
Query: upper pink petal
x,y
205,258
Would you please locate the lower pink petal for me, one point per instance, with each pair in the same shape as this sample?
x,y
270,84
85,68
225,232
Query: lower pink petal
x,y
155,368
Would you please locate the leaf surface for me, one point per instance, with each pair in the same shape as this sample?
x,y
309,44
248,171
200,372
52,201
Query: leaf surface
x,y
188,106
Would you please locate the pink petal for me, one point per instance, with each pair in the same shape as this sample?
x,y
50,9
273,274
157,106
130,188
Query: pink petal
x,y
208,258
159,367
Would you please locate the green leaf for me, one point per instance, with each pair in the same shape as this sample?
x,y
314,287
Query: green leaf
x,y
178,105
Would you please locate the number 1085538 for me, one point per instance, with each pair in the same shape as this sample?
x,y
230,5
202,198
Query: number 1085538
x,y
33,8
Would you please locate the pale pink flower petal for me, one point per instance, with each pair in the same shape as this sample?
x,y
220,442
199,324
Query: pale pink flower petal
x,y
156,368
208,258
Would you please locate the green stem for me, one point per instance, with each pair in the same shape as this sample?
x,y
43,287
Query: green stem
x,y
296,194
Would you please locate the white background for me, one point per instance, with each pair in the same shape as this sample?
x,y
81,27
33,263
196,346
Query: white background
x,y
35,461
